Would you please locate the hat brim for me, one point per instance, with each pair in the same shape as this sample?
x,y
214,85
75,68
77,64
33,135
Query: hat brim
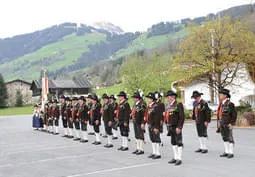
x,y
172,95
227,94
121,95
150,97
195,96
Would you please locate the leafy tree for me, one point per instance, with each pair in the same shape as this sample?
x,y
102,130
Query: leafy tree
x,y
3,92
146,73
219,63
19,99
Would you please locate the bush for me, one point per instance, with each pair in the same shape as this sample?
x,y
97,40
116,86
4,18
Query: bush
x,y
243,108
3,93
187,114
250,117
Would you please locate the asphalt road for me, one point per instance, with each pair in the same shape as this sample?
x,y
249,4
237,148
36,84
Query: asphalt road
x,y
28,153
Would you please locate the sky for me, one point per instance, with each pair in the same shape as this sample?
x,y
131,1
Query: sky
x,y
24,16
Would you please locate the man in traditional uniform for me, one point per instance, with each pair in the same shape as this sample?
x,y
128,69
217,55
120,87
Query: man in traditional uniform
x,y
68,115
227,116
84,118
137,115
161,106
90,126
55,115
123,115
76,120
50,118
202,115
95,115
108,117
62,113
153,118
175,120
115,120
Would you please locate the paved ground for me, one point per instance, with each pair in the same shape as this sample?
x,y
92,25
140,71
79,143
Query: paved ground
x,y
28,153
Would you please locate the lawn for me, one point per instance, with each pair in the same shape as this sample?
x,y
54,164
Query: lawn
x,y
28,109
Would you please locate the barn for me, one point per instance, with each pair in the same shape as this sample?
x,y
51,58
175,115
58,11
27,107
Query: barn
x,y
62,87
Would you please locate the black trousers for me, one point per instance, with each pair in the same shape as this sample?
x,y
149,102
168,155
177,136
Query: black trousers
x,y
108,129
90,121
64,121
161,128
45,120
70,123
124,130
77,124
155,138
96,128
201,130
115,125
83,125
50,121
139,132
176,139
227,134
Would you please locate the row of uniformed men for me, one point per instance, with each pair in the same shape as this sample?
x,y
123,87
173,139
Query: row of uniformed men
x,y
77,117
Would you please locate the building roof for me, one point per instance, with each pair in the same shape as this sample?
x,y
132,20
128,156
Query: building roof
x,y
75,83
19,80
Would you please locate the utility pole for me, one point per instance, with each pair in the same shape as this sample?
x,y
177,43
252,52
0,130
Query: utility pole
x,y
212,76
45,88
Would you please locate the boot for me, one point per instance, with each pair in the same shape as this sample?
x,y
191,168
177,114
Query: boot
x,y
200,139
226,152
179,156
231,150
157,153
175,155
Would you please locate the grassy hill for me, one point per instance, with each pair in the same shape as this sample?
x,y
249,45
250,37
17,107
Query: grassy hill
x,y
67,51
142,42
52,56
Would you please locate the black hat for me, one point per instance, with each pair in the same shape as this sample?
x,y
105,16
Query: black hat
x,y
89,96
122,93
50,101
62,97
171,93
136,95
67,99
225,92
105,96
94,97
158,95
113,97
82,98
151,96
196,94
74,99
55,101
36,105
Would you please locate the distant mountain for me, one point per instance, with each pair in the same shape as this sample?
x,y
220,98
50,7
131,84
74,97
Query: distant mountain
x,y
108,27
69,47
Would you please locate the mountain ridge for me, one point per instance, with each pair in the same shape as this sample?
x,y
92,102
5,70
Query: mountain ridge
x,y
69,46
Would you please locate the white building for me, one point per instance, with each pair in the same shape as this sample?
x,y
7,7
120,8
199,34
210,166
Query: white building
x,y
241,89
